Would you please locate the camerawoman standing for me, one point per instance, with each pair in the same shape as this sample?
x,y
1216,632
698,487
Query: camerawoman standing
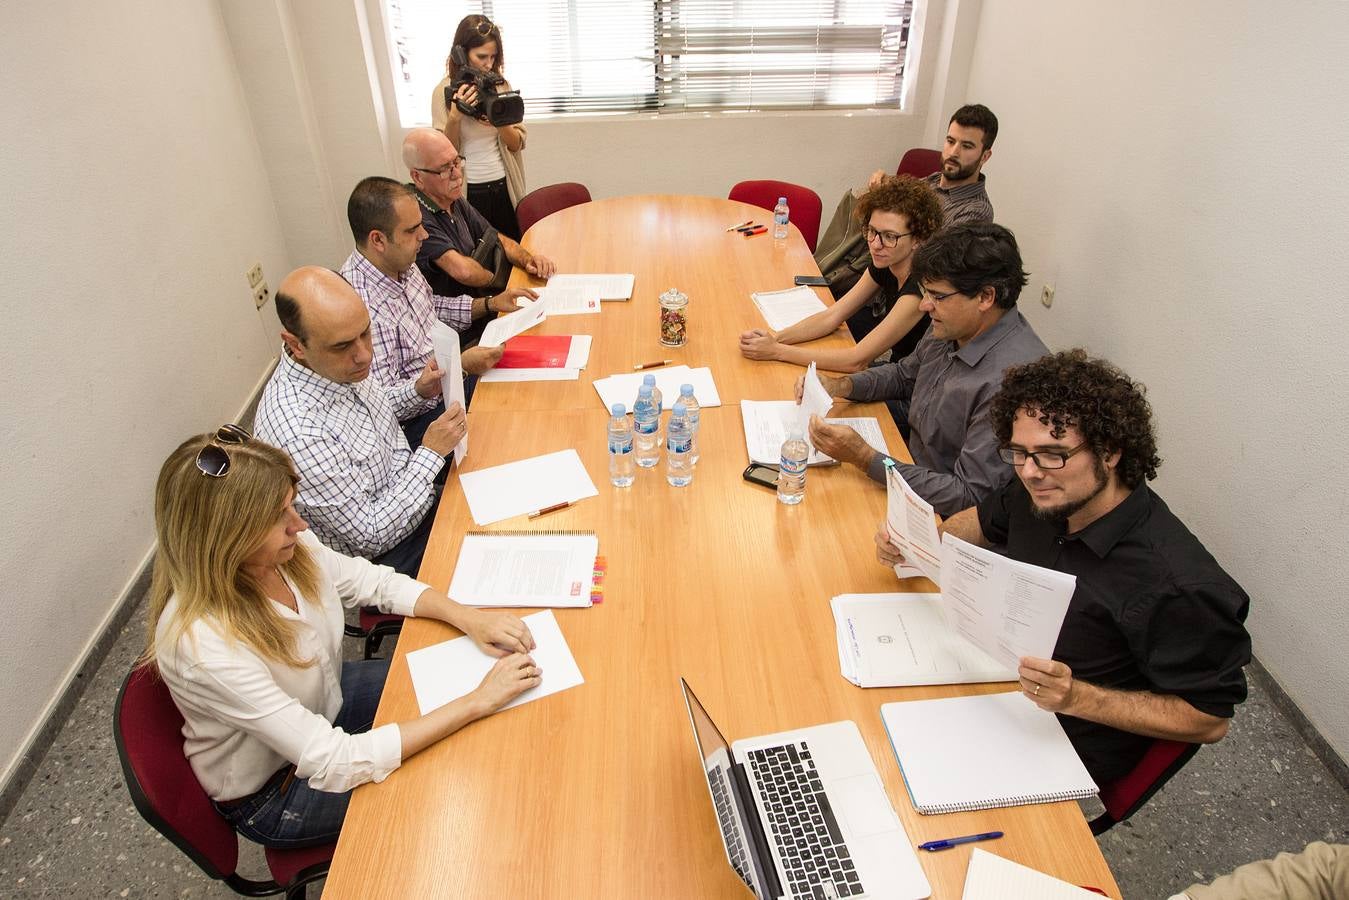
x,y
493,153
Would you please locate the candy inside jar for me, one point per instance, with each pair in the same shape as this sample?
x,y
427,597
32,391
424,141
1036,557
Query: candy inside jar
x,y
674,318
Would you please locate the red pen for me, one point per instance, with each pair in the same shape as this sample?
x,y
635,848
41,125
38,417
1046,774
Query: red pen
x,y
753,231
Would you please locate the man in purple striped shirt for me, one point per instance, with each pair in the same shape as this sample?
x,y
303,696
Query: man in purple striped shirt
x,y
386,223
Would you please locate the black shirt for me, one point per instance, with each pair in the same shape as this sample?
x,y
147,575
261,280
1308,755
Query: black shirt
x,y
1152,611
864,321
458,228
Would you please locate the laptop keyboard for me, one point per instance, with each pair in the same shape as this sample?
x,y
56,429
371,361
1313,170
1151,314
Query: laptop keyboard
x,y
804,829
735,843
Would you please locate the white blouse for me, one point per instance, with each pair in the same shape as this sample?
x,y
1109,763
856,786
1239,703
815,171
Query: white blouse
x,y
478,144
245,716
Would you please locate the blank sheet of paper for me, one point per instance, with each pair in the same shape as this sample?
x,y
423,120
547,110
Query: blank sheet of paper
x,y
449,670
445,346
514,489
622,388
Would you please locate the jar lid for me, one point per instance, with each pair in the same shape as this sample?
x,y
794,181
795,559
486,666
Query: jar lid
x,y
674,297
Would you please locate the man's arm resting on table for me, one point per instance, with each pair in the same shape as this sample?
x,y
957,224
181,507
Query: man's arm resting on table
x,y
1051,685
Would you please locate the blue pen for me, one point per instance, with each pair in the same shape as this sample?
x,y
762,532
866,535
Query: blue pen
x,y
948,843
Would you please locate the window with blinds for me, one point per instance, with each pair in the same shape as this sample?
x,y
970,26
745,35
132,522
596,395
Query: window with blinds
x,y
603,56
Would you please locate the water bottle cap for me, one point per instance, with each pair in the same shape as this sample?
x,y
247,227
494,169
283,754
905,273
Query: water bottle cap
x,y
649,379
644,391
680,409
782,199
686,390
618,409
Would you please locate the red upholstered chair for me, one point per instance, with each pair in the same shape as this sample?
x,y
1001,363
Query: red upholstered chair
x,y
548,200
1126,796
919,162
148,730
802,201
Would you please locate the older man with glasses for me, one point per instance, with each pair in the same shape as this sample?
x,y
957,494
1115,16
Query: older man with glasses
x,y
1153,644
454,229
971,276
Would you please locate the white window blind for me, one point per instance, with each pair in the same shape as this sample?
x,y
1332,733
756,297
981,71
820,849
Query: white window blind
x,y
595,56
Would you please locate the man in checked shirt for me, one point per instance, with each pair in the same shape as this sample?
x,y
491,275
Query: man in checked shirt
x,y
386,223
362,489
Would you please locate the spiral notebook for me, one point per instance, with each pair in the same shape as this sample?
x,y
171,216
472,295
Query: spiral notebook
x,y
964,753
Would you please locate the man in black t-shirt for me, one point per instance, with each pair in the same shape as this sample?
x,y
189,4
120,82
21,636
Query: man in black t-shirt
x,y
1153,645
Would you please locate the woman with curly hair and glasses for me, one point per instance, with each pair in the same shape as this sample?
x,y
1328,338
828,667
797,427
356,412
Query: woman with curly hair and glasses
x,y
493,155
245,627
881,310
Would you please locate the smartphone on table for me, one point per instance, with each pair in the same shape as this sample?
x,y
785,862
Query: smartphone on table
x,y
812,280
760,474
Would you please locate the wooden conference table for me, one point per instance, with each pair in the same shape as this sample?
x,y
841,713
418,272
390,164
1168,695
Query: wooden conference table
x,y
596,791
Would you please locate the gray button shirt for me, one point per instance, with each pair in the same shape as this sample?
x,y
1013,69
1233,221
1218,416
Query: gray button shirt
x,y
948,390
965,203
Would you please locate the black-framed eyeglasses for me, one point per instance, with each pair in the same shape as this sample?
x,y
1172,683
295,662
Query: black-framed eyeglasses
x,y
213,459
937,298
888,238
1043,459
456,163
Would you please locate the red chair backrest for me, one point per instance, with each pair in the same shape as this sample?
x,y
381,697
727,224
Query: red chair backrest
x,y
148,730
803,202
1162,760
919,162
548,200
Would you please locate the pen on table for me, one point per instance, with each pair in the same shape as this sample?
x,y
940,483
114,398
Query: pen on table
x,y
749,226
948,843
758,229
656,364
547,509
741,225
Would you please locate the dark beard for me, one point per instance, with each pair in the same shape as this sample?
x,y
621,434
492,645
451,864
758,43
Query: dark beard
x,y
960,173
1061,512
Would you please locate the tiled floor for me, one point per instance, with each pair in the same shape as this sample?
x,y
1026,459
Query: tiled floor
x,y
74,832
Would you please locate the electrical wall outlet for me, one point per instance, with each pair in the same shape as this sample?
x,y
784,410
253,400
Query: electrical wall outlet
x,y
254,275
1047,295
261,293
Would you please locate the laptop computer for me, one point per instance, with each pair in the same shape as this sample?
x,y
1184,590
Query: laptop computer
x,y
803,813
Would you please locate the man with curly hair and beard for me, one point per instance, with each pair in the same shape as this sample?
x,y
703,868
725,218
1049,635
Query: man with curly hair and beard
x,y
1153,644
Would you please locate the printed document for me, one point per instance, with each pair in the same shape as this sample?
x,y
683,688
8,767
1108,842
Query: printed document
x,y
566,299
609,287
782,309
502,329
445,345
912,527
1009,609
449,670
622,388
525,569
517,488
893,640
815,401
766,423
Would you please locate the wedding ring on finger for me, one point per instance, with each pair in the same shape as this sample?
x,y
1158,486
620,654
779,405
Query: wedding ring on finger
x,y
1037,689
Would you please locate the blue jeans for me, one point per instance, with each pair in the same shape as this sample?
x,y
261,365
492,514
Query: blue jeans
x,y
290,815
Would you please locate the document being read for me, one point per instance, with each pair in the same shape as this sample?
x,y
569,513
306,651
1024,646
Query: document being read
x,y
512,568
501,330
912,526
566,300
767,421
445,345
1008,609
449,670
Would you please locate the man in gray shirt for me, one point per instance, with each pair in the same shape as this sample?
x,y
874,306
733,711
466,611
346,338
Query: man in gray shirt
x,y
960,182
971,276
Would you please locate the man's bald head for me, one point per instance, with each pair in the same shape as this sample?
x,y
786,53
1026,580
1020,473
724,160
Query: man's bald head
x,y
434,165
326,325
420,144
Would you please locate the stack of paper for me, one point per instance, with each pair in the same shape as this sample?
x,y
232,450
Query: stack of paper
x,y
622,388
449,670
767,421
513,568
893,640
608,287
547,357
514,489
782,309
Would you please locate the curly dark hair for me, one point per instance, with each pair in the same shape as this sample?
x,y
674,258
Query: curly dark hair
x,y
908,196
1070,389
974,256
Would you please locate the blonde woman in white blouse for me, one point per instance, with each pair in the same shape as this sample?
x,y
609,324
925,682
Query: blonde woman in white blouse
x,y
246,613
494,159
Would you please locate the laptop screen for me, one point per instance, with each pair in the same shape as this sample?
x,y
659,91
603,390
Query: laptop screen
x,y
717,761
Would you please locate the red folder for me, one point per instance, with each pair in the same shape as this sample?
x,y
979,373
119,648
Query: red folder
x,y
535,351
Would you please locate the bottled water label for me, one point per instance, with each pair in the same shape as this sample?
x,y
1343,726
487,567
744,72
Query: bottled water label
x,y
677,445
793,466
647,425
617,446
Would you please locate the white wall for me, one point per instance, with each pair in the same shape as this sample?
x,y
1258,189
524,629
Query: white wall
x,y
1177,170
136,199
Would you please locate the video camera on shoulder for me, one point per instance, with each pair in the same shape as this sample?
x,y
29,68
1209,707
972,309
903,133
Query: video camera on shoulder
x,y
497,106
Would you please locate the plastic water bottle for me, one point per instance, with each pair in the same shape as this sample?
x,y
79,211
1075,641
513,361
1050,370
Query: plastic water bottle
x,y
678,445
621,471
792,472
693,414
655,392
646,427
780,213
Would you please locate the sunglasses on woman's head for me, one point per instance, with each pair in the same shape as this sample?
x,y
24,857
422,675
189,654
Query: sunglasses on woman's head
x,y
485,27
212,459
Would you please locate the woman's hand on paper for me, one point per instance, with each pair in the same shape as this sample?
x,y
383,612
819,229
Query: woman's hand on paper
x,y
759,343
1047,682
497,633
508,678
